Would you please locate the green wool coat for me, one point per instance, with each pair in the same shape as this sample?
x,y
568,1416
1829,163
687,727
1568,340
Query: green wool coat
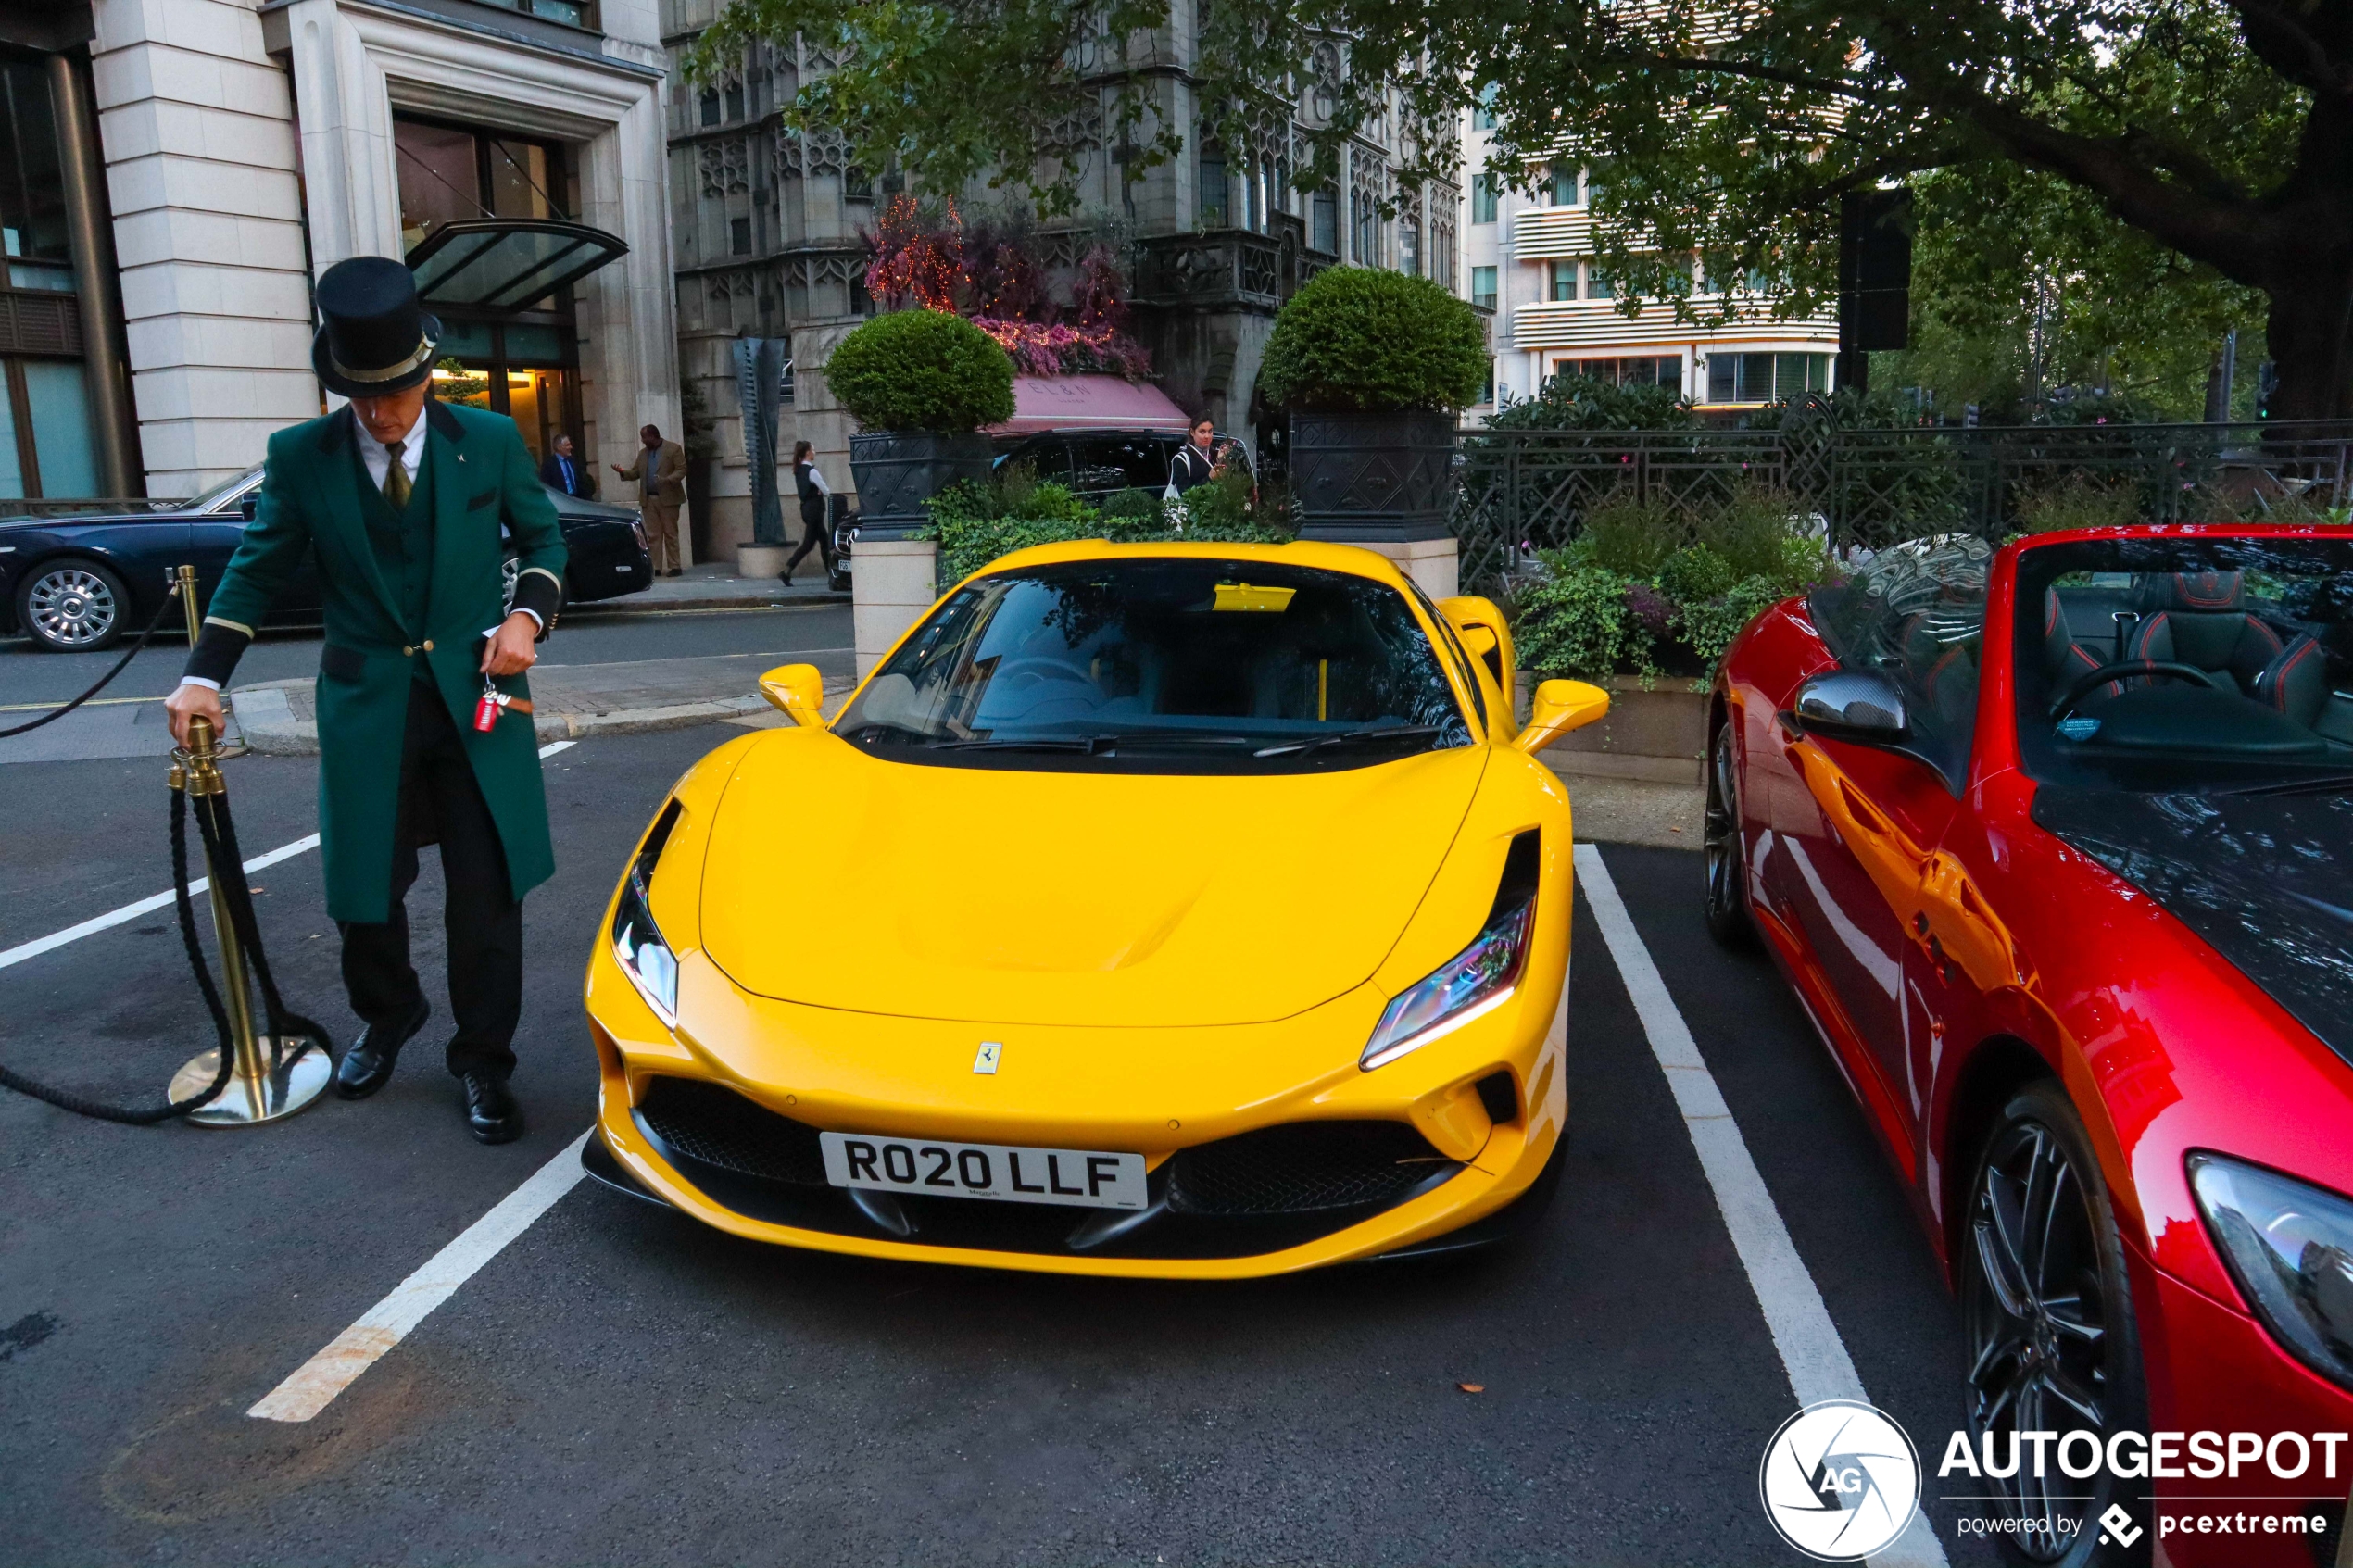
x,y
482,476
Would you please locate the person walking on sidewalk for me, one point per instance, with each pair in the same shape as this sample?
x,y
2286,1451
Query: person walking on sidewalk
x,y
815,501
660,474
400,499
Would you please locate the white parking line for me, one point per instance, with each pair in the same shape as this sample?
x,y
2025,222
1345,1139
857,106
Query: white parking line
x,y
1811,1351
313,1386
112,918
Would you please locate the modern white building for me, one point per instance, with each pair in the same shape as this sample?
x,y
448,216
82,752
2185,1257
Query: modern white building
x,y
512,151
1531,260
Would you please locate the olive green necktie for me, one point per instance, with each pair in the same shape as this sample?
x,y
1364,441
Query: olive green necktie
x,y
395,476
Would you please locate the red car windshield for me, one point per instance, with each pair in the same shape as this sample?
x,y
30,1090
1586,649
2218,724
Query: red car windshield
x,y
2188,664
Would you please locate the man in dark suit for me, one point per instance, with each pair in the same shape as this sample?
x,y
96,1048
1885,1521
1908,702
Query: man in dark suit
x,y
401,500
563,472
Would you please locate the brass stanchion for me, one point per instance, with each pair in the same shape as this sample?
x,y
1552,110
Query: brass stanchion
x,y
275,1075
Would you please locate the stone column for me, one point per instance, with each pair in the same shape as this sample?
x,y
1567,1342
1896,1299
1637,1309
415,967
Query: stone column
x,y
104,354
1431,563
891,584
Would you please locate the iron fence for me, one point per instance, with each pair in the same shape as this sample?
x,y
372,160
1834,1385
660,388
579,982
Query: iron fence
x,y
1525,489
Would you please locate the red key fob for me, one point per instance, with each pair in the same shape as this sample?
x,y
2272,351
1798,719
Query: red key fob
x,y
487,712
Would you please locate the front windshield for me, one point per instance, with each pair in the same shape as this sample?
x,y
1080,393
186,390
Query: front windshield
x,y
213,496
1162,664
2188,664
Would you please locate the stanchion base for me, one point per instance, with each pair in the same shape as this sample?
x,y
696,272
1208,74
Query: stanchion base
x,y
292,1084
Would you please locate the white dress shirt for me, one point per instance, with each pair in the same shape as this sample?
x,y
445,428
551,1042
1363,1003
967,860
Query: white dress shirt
x,y
378,461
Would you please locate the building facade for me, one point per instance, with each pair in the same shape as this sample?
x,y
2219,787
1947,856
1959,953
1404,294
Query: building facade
x,y
1531,260
512,152
769,237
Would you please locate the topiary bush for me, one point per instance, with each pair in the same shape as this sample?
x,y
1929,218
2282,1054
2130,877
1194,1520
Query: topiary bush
x,y
922,370
1378,342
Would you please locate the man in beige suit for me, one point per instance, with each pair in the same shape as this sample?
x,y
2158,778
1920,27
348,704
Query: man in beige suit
x,y
660,474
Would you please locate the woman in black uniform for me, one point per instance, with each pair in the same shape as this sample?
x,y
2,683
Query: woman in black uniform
x,y
816,500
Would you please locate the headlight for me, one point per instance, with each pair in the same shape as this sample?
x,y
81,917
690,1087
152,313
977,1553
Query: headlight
x,y
636,941
2290,1246
1470,985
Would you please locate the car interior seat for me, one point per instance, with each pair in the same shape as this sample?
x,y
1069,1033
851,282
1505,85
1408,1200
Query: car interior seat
x,y
2201,619
2064,658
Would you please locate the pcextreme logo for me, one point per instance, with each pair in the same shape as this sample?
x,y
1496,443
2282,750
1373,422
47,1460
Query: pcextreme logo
x,y
1839,1480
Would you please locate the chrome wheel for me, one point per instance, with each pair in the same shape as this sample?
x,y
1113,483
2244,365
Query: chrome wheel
x,y
2044,1311
1727,906
72,607
509,571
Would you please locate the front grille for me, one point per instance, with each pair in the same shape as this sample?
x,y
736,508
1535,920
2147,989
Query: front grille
x,y
1304,1167
1262,1192
718,1127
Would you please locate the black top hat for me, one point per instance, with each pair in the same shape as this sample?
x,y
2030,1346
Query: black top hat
x,y
374,337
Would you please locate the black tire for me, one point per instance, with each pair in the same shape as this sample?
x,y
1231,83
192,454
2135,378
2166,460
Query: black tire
x,y
74,605
1720,847
2048,1326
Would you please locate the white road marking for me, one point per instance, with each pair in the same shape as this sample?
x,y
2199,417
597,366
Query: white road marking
x,y
112,918
314,1384
1811,1351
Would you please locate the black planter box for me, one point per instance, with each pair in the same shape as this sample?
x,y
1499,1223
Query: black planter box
x,y
899,470
1372,478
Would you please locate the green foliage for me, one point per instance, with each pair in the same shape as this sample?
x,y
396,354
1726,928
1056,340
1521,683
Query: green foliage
x,y
922,370
1650,585
1570,402
2079,501
976,523
1360,338
1577,623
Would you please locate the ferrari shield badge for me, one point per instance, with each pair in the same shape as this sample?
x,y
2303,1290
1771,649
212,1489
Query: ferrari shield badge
x,y
986,1060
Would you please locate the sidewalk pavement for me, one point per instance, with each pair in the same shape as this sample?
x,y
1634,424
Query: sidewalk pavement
x,y
714,586
569,701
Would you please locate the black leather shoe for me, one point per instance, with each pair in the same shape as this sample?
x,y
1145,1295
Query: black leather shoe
x,y
368,1064
492,1114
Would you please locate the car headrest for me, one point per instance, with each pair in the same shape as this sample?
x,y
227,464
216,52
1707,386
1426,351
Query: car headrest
x,y
2197,593
2057,638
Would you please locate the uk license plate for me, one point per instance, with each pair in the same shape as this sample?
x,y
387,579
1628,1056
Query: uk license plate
x,y
1078,1177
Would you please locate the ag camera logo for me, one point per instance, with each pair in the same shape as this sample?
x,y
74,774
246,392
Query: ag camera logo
x,y
1839,1480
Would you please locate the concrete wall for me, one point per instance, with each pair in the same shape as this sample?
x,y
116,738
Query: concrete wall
x,y
196,123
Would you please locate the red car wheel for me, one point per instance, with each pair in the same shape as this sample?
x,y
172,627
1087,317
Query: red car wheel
x,y
2048,1314
1722,849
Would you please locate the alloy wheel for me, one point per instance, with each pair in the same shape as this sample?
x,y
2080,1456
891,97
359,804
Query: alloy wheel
x,y
2038,1321
1727,906
71,606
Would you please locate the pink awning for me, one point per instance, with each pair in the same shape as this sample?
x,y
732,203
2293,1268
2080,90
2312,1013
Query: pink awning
x,y
1088,403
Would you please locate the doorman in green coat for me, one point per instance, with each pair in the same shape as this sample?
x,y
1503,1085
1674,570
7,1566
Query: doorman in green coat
x,y
404,500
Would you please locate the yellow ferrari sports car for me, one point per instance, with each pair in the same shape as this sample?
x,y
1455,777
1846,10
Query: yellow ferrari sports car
x,y
1188,910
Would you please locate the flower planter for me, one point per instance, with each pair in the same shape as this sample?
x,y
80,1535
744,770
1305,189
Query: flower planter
x,y
899,470
1372,478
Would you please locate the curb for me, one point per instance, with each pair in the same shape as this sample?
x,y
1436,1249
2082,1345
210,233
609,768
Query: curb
x,y
623,606
270,727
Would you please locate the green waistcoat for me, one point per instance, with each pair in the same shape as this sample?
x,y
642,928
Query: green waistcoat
x,y
394,615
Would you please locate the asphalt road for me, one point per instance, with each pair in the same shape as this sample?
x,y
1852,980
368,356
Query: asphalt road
x,y
127,720
620,1385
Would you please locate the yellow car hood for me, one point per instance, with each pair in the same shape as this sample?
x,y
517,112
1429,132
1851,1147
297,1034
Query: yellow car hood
x,y
842,880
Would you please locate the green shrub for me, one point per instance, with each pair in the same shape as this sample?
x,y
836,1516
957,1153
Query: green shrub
x,y
922,370
1133,503
1577,623
1568,402
1628,535
2079,501
1708,626
1361,338
975,524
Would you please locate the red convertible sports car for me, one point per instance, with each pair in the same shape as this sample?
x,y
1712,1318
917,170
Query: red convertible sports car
x,y
2054,843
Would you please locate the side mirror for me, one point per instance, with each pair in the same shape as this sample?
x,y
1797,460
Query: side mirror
x,y
1856,705
1558,707
249,506
798,691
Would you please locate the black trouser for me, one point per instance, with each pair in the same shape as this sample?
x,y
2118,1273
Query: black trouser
x,y
815,534
441,803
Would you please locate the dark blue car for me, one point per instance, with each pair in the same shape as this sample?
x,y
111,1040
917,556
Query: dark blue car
x,y
79,581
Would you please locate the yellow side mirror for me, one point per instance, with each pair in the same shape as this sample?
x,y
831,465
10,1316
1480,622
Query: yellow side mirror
x,y
1558,707
798,691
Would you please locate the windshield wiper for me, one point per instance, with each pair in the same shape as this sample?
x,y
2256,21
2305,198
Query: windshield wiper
x,y
2326,783
1384,731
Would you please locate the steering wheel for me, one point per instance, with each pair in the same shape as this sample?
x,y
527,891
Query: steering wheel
x,y
2081,687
